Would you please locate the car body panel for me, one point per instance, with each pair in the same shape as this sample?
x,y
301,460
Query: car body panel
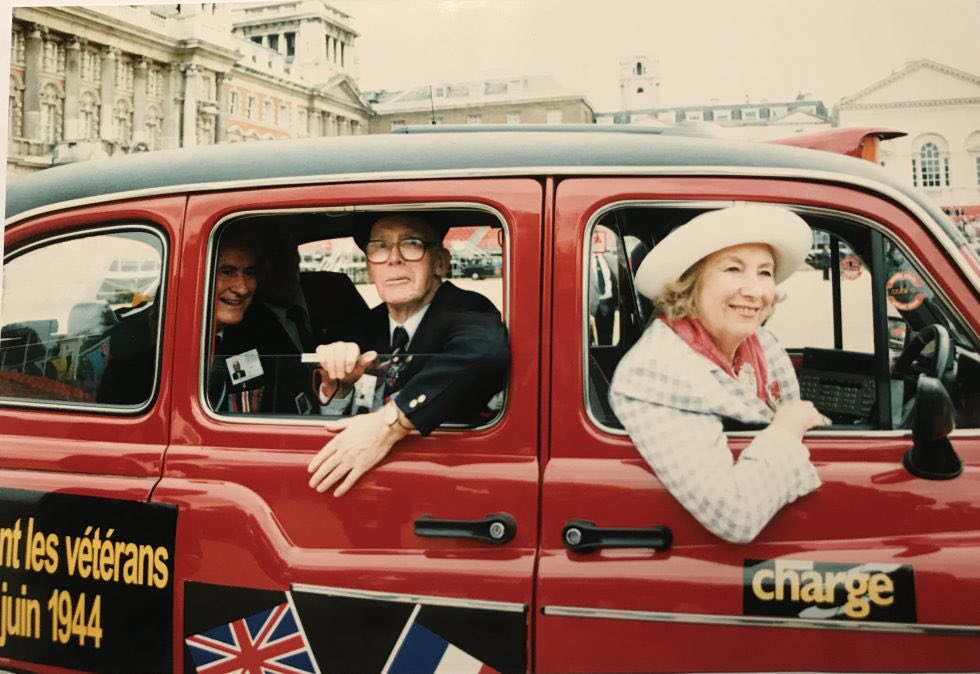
x,y
251,535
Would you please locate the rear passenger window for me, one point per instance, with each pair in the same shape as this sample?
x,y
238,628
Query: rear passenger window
x,y
301,280
80,320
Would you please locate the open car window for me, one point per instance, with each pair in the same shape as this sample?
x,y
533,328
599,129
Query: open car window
x,y
256,369
847,316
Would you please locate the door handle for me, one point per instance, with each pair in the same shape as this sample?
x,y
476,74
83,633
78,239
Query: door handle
x,y
585,536
494,528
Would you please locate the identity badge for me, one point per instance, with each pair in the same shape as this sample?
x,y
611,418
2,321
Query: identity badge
x,y
244,366
364,392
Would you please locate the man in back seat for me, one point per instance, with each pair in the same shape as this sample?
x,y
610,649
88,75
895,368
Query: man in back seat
x,y
280,323
448,346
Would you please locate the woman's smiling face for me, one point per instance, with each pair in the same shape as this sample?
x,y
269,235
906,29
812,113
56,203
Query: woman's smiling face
x,y
734,293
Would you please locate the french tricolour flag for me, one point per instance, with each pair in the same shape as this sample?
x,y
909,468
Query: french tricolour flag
x,y
424,652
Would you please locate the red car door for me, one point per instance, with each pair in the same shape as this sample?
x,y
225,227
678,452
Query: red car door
x,y
658,592
87,348
356,573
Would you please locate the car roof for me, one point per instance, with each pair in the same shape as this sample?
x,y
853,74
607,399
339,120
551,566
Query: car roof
x,y
537,152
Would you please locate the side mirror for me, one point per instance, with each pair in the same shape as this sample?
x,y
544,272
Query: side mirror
x,y
932,456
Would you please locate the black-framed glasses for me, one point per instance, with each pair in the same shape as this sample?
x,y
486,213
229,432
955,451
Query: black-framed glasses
x,y
411,249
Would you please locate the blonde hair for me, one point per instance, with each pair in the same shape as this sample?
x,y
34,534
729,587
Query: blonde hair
x,y
676,300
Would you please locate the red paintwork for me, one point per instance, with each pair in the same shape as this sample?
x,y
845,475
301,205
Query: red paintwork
x,y
869,508
246,516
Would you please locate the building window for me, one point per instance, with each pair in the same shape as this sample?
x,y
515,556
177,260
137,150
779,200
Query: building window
x,y
274,42
205,130
284,120
639,69
915,174
122,116
15,113
154,128
513,118
17,49
290,45
267,111
396,123
474,119
91,66
233,103
51,114
693,115
154,82
88,110
554,117
929,165
257,39
750,114
208,87
124,74
250,107
50,59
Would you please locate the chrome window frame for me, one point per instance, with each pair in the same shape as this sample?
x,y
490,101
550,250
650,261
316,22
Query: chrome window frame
x,y
927,278
294,420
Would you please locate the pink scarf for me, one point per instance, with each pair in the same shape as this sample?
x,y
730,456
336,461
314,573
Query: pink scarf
x,y
749,351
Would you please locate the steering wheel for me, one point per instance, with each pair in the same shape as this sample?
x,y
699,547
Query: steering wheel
x,y
942,354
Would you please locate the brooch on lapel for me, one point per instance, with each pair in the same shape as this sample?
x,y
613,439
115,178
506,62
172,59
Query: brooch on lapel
x,y
775,392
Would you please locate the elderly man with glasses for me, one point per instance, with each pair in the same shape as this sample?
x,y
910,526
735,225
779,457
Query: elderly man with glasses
x,y
448,346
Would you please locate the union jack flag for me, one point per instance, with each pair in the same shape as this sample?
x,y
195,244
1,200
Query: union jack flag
x,y
270,642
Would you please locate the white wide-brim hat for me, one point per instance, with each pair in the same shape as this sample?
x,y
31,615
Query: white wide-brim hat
x,y
782,230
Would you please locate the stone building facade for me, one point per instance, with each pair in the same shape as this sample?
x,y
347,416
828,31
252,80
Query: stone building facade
x,y
90,82
939,108
518,100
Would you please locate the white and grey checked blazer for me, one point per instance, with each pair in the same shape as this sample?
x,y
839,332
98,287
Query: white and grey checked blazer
x,y
672,400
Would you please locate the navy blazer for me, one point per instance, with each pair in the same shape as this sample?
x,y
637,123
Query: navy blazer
x,y
459,357
286,381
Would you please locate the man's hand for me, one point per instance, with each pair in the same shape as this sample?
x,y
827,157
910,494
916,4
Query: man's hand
x,y
363,441
343,361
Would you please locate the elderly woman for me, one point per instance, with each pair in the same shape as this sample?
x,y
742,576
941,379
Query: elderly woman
x,y
707,357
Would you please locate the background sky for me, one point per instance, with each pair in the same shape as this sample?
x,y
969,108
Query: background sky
x,y
724,49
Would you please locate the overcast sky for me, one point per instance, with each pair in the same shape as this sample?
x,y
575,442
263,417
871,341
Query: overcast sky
x,y
725,49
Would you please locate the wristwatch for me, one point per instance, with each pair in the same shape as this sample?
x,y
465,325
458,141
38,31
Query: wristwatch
x,y
389,414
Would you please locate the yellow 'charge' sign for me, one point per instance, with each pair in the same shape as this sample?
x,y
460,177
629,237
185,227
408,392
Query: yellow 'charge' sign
x,y
829,590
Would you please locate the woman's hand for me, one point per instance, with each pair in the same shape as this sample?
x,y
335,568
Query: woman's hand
x,y
798,416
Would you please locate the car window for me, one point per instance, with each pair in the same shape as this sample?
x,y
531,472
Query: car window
x,y
81,321
845,318
312,288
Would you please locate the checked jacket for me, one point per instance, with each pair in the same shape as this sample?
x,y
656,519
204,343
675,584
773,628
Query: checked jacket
x,y
672,401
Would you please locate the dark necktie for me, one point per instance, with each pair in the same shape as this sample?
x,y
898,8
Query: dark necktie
x,y
399,341
297,315
601,278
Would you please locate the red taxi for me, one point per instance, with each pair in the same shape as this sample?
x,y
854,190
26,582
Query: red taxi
x,y
143,530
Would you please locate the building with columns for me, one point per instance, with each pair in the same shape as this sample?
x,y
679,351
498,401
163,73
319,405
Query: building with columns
x,y
90,81
939,108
